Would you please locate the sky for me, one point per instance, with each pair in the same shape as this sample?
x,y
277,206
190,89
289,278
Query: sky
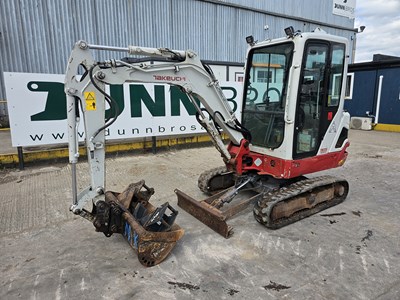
x,y
381,19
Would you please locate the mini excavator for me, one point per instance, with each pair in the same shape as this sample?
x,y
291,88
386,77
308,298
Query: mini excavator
x,y
292,123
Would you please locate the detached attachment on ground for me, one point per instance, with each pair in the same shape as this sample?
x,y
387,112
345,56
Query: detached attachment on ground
x,y
150,231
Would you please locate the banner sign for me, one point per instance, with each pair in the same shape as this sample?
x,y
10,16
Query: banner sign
x,y
38,115
345,8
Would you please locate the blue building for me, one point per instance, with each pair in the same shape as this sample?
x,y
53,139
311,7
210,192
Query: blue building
x,y
373,89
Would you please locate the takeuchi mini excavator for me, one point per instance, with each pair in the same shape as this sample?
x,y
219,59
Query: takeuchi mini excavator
x,y
292,124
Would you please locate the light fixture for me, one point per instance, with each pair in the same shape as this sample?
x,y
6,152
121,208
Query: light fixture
x,y
359,29
289,31
250,40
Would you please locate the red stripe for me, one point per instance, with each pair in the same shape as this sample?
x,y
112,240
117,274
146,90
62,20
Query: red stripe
x,y
281,168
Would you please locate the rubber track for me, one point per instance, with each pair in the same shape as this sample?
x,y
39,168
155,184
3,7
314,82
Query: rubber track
x,y
263,207
206,176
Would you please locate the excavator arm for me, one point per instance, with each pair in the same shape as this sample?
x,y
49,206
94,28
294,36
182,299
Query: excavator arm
x,y
149,230
180,68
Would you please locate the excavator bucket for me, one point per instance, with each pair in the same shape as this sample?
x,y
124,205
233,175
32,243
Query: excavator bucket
x,y
210,210
149,230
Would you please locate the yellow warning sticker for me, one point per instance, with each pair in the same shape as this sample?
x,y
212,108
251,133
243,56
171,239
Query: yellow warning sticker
x,y
90,98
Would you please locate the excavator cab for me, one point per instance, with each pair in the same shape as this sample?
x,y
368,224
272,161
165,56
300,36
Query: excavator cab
x,y
293,94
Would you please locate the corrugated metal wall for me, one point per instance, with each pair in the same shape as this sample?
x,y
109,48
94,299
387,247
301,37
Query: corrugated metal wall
x,y
317,10
37,35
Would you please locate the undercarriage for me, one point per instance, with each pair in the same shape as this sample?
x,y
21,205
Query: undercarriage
x,y
277,202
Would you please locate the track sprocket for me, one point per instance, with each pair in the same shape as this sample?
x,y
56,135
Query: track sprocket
x,y
216,179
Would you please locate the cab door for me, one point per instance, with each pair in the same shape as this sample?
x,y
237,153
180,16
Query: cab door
x,y
318,96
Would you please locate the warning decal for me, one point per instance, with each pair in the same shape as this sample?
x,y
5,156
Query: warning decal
x,y
90,98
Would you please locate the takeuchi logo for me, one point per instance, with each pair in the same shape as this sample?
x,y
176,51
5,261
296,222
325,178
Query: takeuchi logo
x,y
169,78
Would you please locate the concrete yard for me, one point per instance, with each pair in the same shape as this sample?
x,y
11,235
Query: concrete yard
x,y
351,251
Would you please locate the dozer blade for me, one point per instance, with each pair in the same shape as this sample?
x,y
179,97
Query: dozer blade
x,y
299,200
207,212
150,231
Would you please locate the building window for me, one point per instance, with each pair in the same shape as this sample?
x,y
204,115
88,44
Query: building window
x,y
264,76
239,76
349,86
